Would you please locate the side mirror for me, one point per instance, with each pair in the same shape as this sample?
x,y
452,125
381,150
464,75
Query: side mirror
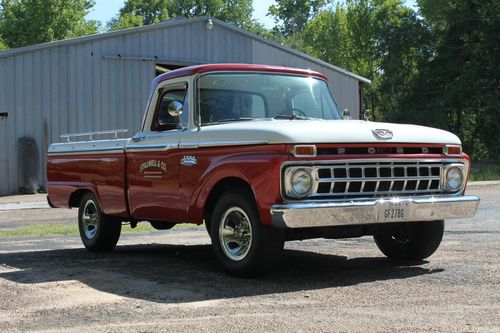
x,y
367,115
346,114
175,109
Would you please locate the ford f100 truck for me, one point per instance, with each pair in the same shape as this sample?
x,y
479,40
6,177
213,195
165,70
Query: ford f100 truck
x,y
262,155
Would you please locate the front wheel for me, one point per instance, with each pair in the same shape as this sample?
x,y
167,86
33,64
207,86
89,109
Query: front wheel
x,y
411,241
99,233
242,245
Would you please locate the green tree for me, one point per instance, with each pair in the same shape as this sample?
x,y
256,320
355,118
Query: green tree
x,y
2,46
401,44
372,38
463,76
291,16
136,13
26,22
144,12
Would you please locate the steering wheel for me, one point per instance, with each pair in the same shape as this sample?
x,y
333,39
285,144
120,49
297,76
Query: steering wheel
x,y
210,107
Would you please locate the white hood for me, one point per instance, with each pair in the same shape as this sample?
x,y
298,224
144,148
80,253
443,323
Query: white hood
x,y
323,131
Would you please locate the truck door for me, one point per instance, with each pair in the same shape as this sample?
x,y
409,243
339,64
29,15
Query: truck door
x,y
153,161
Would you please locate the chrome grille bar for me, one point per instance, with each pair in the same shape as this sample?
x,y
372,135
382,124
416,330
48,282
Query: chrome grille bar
x,y
353,179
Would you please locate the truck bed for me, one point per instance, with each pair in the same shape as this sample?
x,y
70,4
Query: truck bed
x,y
98,165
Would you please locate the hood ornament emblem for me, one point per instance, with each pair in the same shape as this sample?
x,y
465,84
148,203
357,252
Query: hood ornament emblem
x,y
382,134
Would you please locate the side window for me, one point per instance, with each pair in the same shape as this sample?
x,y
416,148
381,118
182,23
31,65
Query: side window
x,y
165,116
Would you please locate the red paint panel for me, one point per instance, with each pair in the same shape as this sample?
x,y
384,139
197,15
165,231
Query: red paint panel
x,y
375,156
102,173
192,70
259,166
153,192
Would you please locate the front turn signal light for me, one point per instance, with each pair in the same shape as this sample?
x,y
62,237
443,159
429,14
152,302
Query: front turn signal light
x,y
304,151
452,150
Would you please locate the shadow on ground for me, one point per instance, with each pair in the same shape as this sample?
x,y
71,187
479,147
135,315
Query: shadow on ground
x,y
178,274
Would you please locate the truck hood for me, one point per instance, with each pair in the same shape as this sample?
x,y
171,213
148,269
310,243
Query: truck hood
x,y
276,131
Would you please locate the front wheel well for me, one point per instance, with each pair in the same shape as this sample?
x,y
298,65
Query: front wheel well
x,y
222,186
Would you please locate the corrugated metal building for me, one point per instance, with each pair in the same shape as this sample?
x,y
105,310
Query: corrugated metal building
x,y
102,82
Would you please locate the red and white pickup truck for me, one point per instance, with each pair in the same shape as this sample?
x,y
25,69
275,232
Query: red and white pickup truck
x,y
262,155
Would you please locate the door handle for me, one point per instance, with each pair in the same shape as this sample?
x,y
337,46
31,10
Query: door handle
x,y
138,138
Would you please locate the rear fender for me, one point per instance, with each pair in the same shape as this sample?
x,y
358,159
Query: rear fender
x,y
62,195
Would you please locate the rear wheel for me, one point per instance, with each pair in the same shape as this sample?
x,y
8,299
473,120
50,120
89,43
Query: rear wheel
x,y
411,241
242,245
99,233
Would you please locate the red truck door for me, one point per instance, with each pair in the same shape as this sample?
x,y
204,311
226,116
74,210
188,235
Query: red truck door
x,y
153,162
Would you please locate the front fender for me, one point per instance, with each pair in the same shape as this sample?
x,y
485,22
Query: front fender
x,y
257,167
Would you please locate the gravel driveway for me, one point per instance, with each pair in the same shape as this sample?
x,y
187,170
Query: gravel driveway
x,y
169,281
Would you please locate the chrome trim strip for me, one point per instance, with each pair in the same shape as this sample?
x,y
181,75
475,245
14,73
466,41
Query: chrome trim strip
x,y
322,214
89,151
162,147
151,147
231,143
203,144
225,143
91,134
188,145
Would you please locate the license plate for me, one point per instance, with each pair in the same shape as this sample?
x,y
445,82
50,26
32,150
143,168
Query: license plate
x,y
394,211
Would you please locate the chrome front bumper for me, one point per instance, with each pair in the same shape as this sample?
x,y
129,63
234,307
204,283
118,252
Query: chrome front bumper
x,y
357,212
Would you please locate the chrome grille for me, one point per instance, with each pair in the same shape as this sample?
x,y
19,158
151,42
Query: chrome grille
x,y
352,179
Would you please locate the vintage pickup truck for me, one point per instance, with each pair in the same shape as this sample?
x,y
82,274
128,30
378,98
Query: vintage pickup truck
x,y
262,155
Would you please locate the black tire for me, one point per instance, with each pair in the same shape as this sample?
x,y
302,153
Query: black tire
x,y
99,233
237,208
411,241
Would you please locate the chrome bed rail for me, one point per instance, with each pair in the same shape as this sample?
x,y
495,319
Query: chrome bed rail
x,y
91,135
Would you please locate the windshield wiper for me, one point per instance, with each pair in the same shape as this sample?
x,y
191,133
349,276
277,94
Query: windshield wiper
x,y
230,120
290,117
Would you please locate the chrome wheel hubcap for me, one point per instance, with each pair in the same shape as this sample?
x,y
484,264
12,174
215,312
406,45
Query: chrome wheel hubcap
x,y
90,219
235,233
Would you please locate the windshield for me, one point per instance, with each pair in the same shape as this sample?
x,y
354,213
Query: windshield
x,y
238,97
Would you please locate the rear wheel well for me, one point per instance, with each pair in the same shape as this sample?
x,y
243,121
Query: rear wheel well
x,y
75,198
222,186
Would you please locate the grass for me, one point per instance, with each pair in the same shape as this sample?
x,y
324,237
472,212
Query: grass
x,y
485,172
62,230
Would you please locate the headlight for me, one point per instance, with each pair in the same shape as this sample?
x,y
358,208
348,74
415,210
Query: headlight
x,y
301,182
454,179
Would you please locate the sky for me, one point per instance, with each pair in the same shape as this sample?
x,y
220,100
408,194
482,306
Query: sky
x,y
104,10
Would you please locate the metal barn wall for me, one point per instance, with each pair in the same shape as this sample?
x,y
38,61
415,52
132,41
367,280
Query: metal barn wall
x,y
102,82
65,90
4,168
